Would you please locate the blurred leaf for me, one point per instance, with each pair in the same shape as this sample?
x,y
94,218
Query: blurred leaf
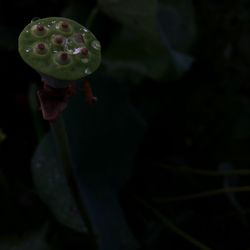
x,y
137,51
130,53
177,22
178,32
137,15
34,241
181,62
139,48
103,140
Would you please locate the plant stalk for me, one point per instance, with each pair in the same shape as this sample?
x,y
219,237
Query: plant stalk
x,y
61,139
91,17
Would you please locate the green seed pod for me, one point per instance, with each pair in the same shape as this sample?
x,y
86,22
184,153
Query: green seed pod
x,y
60,49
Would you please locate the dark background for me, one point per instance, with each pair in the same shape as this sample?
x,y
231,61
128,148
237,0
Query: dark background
x,y
182,69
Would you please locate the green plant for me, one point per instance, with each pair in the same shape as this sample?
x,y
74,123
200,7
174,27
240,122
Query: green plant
x,y
62,51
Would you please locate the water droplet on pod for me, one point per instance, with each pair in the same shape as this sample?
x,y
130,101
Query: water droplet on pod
x,y
85,60
87,71
96,45
84,29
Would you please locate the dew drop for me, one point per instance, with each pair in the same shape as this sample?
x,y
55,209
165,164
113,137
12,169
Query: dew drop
x,y
76,51
85,60
84,29
27,50
96,45
87,71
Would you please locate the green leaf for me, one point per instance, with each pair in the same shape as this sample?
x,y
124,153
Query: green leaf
x,y
103,140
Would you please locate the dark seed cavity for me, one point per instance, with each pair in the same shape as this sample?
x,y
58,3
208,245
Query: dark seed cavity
x,y
40,28
65,25
79,38
41,46
59,40
64,56
84,52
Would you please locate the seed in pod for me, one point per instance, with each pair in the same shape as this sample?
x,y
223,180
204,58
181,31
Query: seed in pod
x,y
84,52
64,27
62,58
40,48
39,30
58,40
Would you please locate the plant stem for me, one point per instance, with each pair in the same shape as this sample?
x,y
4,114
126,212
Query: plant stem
x,y
206,172
174,228
35,115
61,138
91,17
203,194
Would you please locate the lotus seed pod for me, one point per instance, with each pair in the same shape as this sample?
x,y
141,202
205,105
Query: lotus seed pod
x,y
60,49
